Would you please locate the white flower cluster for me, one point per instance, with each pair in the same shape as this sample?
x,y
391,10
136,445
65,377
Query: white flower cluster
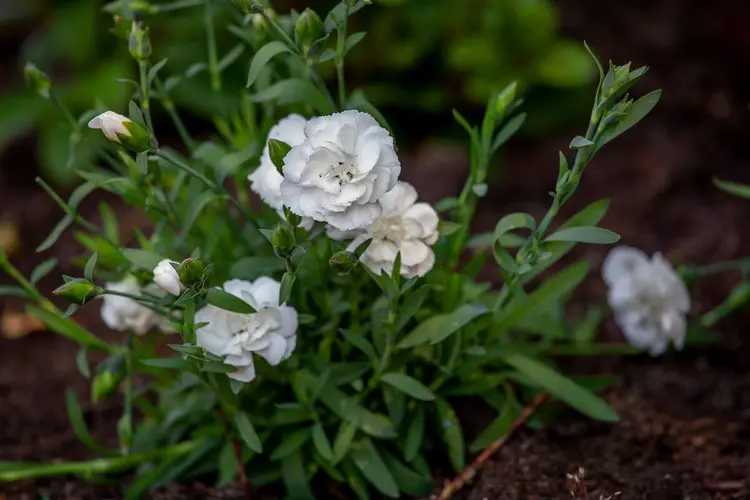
x,y
649,299
343,170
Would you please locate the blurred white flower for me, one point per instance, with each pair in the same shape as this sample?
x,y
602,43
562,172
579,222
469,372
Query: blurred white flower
x,y
270,332
345,164
125,314
111,124
649,299
404,226
266,179
166,277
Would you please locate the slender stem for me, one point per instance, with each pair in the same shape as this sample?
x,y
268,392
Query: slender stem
x,y
145,97
128,403
168,105
237,449
213,59
471,471
719,267
31,470
179,4
340,45
287,40
25,284
65,111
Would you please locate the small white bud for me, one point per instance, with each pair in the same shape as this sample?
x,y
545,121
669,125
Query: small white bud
x,y
166,277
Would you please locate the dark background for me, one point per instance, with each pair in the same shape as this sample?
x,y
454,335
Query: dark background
x,y
686,426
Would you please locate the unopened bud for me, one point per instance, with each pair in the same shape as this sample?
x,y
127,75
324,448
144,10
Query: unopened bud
x,y
505,99
308,29
77,291
283,241
37,80
139,43
343,261
166,277
193,273
122,130
110,373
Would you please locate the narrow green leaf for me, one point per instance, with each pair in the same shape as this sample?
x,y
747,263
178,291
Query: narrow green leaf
x,y
55,234
287,282
171,363
367,459
637,111
195,207
88,271
247,432
358,340
12,291
408,480
735,188
42,270
579,142
290,443
109,223
75,415
450,431
411,305
546,294
507,131
295,478
225,300
414,435
82,362
358,100
293,90
498,427
346,408
510,222
438,328
142,258
141,162
343,441
585,234
262,57
320,441
67,328
227,465
561,387
353,40
408,385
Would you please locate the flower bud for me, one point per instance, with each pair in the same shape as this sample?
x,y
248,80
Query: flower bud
x,y
505,99
166,277
343,261
36,80
193,273
134,6
139,43
77,291
122,130
283,241
110,373
308,29
277,150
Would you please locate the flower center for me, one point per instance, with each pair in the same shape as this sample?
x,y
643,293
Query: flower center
x,y
343,170
390,229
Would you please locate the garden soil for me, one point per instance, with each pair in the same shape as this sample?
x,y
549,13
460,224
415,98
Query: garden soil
x,y
685,427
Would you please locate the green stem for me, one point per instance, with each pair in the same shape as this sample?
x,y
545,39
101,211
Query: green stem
x,y
28,287
718,267
17,471
340,45
213,59
169,107
128,403
145,97
180,4
65,111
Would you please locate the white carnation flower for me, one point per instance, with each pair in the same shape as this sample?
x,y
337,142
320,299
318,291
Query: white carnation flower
x,y
266,179
345,164
649,299
125,314
166,277
270,332
404,226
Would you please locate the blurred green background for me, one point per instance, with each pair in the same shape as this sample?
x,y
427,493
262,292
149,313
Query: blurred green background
x,y
420,59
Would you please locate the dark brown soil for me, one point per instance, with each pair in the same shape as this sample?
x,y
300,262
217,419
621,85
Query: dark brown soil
x,y
685,429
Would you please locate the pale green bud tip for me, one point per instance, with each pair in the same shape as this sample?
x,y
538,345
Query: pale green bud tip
x,y
283,241
139,43
77,291
506,97
37,80
308,29
192,273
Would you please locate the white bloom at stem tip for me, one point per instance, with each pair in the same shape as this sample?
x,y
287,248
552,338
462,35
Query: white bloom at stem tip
x,y
125,314
166,277
648,297
403,226
111,124
266,179
341,169
270,332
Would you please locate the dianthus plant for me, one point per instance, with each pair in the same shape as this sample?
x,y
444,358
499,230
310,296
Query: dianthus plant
x,y
293,312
